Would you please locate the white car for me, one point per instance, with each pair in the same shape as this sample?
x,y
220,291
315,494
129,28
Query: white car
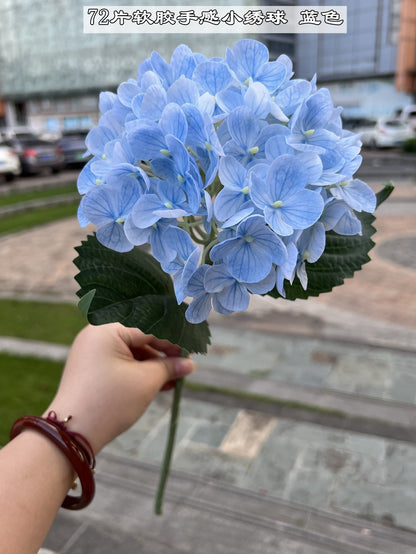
x,y
9,162
388,132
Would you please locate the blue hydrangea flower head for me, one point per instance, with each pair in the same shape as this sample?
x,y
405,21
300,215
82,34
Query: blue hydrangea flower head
x,y
231,169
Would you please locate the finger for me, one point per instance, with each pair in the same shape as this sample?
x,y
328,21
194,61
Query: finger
x,y
159,371
172,350
135,339
168,386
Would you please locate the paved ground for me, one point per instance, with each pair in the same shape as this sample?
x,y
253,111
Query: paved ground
x,y
326,464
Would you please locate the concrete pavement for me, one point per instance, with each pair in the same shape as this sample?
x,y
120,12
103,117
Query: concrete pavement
x,y
305,440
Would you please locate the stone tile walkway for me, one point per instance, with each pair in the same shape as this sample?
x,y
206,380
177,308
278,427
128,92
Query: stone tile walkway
x,y
359,342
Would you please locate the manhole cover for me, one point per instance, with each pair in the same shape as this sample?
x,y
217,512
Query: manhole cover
x,y
400,251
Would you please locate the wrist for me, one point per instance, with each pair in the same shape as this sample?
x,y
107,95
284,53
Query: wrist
x,y
74,446
76,422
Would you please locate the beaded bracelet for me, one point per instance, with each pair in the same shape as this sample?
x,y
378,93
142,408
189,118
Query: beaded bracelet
x,y
73,445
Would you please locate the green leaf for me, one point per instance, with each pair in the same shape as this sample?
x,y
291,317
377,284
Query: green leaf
x,y
85,302
132,289
384,193
343,256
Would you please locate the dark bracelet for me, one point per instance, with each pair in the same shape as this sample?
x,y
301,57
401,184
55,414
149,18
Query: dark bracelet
x,y
73,445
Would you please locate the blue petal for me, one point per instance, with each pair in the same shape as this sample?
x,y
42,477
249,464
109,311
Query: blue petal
x,y
358,195
206,104
289,97
212,77
217,277
97,138
311,243
196,284
232,174
143,213
161,67
106,101
247,262
286,176
319,110
181,242
199,309
146,143
127,91
275,218
271,75
148,79
197,135
153,103
277,146
333,211
246,58
265,285
312,165
86,179
103,203
191,265
82,219
303,209
259,193
348,224
239,216
179,153
229,99
257,99
158,233
243,127
173,122
287,270
218,307
135,234
183,91
112,236
234,298
264,239
227,203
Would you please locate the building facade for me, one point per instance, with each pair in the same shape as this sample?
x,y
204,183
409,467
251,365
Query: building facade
x,y
51,72
359,67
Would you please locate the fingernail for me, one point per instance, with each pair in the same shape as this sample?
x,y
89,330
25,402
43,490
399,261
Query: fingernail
x,y
183,366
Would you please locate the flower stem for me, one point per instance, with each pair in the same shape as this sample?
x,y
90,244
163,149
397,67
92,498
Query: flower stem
x,y
174,418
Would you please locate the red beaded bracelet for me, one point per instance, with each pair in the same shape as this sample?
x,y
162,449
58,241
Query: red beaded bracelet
x,y
73,445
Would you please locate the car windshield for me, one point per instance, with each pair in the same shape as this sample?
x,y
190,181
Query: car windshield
x,y
31,140
394,123
75,134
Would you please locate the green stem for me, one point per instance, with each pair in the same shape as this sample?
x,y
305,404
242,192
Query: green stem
x,y
174,418
207,249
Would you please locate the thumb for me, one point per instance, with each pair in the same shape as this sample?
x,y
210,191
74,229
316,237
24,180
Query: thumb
x,y
165,369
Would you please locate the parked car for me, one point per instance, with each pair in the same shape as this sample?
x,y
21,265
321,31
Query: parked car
x,y
408,115
73,147
36,154
9,162
390,132
364,126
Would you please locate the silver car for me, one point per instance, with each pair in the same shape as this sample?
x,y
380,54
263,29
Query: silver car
x,y
10,166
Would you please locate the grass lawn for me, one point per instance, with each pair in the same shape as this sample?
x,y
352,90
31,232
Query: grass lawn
x,y
43,321
38,216
25,196
27,385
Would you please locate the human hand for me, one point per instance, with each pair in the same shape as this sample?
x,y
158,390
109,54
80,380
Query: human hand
x,y
111,376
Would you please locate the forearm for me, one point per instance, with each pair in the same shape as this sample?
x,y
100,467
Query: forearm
x,y
35,478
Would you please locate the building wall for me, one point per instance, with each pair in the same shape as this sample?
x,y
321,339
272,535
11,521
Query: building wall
x,y
406,56
368,49
50,69
358,67
43,49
